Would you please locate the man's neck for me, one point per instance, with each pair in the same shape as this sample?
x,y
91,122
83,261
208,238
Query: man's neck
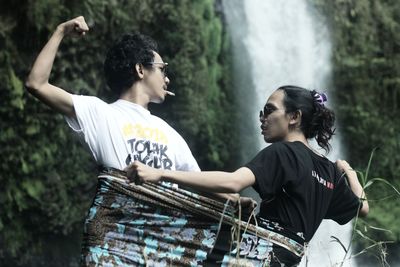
x,y
135,95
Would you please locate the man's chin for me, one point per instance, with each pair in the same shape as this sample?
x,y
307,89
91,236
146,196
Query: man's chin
x,y
158,100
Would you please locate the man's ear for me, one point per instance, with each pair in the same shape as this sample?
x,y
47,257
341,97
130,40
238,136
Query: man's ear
x,y
139,70
295,118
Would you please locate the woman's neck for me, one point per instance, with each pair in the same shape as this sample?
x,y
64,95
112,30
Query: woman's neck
x,y
297,136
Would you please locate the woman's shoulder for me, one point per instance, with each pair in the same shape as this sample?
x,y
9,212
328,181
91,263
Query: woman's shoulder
x,y
292,151
283,150
285,146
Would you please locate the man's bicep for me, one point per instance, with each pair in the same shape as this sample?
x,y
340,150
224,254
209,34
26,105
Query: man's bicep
x,y
56,98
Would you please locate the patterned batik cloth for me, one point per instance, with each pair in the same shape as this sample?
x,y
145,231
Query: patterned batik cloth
x,y
161,225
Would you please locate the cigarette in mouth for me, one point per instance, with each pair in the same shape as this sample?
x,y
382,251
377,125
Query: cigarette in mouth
x,y
169,93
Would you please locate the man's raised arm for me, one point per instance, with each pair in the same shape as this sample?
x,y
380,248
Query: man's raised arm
x,y
38,80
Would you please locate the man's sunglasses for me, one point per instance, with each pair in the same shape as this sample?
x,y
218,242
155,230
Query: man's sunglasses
x,y
163,68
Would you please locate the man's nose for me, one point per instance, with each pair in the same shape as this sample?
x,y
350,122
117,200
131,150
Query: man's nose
x,y
166,80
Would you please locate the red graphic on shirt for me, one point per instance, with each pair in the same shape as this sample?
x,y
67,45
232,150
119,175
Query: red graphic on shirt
x,y
322,181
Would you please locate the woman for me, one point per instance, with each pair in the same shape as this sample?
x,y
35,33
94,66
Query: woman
x,y
298,186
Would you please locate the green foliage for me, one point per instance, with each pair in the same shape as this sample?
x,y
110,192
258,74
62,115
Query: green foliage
x,y
371,239
47,178
366,45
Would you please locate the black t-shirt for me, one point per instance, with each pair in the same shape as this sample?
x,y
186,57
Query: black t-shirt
x,y
299,188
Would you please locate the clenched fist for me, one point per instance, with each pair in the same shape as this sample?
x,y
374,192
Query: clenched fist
x,y
75,27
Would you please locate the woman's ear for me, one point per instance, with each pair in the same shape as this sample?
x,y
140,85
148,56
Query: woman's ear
x,y
139,70
295,118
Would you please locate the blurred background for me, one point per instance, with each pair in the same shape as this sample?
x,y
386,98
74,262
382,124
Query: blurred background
x,y
225,58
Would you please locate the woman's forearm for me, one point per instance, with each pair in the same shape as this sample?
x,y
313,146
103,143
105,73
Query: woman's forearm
x,y
213,181
355,185
357,190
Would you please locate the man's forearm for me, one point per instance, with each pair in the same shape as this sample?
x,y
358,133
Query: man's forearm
x,y
37,82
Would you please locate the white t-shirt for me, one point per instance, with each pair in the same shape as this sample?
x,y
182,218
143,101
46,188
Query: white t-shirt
x,y
119,133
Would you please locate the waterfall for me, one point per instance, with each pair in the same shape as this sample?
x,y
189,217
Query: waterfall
x,y
278,43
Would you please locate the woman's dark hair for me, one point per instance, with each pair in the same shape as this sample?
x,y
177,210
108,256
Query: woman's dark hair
x,y
316,119
119,65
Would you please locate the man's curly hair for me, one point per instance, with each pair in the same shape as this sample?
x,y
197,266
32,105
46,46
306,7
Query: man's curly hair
x,y
119,65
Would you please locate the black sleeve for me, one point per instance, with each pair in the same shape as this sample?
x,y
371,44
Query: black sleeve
x,y
268,169
344,204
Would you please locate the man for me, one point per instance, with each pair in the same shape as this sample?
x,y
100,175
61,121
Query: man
x,y
118,132
123,226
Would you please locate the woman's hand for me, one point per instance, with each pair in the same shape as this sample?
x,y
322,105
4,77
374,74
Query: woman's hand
x,y
139,172
75,27
248,203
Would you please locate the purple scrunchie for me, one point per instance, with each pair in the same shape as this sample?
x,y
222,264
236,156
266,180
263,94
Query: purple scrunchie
x,y
321,98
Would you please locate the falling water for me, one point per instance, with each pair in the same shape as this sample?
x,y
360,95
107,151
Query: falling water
x,y
280,43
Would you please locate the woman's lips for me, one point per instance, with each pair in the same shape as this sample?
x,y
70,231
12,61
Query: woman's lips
x,y
264,129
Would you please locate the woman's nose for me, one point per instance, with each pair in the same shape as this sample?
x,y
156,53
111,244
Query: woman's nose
x,y
261,116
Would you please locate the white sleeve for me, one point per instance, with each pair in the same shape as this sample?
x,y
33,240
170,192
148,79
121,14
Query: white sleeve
x,y
184,158
88,110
